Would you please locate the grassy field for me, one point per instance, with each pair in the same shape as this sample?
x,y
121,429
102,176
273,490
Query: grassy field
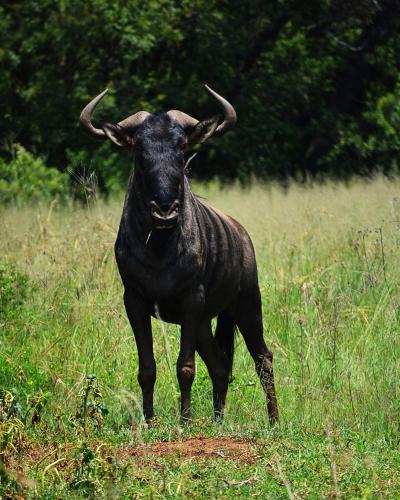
x,y
70,421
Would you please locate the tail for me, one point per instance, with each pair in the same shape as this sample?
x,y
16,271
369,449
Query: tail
x,y
225,337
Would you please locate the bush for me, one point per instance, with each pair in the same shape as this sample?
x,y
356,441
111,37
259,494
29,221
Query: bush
x,y
28,179
111,168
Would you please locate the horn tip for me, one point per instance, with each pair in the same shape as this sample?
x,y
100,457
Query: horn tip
x,y
212,92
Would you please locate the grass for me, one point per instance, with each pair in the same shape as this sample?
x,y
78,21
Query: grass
x,y
70,403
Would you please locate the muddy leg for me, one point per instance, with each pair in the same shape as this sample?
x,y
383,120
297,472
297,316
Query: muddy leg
x,y
185,370
192,307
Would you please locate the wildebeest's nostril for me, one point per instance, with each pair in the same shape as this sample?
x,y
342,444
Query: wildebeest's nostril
x,y
164,207
165,210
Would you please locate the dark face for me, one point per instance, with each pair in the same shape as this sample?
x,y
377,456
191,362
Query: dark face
x,y
159,142
159,164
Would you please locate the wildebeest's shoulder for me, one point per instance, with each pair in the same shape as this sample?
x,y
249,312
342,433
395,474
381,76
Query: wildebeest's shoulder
x,y
231,235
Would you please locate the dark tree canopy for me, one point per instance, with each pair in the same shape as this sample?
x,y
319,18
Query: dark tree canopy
x,y
315,84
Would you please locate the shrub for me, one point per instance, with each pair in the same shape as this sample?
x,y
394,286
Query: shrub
x,y
110,167
28,179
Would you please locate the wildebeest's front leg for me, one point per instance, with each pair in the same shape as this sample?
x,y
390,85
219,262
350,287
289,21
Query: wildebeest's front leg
x,y
185,370
138,312
217,365
192,307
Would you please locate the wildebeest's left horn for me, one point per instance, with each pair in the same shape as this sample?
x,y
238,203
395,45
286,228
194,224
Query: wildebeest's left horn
x,y
229,112
187,121
86,117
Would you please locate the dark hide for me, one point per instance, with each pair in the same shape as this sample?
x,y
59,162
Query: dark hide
x,y
203,265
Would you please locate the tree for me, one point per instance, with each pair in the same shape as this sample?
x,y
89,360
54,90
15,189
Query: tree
x,y
307,83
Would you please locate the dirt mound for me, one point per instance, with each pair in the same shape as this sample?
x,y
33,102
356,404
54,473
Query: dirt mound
x,y
225,448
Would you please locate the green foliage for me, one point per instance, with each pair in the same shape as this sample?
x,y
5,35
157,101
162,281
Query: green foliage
x,y
111,167
311,86
380,146
27,179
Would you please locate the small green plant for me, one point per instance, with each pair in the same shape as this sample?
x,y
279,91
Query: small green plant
x,y
27,409
92,407
11,425
10,405
85,476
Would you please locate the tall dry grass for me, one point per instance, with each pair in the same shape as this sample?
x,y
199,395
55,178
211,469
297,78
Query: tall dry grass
x,y
329,275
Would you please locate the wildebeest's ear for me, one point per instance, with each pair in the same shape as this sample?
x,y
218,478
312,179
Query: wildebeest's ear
x,y
119,135
203,130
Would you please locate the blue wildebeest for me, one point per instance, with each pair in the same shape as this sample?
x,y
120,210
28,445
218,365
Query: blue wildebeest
x,y
182,260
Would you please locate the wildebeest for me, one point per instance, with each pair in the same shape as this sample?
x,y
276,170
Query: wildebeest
x,y
182,260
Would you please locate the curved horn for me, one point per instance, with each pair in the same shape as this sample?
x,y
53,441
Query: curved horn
x,y
86,117
134,120
188,121
182,118
229,112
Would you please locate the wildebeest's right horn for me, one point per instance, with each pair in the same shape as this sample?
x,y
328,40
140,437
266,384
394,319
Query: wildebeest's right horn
x,y
86,117
134,120
184,120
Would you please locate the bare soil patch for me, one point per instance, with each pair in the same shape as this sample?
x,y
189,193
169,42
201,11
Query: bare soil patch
x,y
200,447
224,448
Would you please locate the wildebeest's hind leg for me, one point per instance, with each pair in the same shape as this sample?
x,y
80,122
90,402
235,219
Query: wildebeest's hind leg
x,y
217,366
249,320
139,318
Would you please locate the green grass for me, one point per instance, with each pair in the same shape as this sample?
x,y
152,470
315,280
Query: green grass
x,y
328,259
